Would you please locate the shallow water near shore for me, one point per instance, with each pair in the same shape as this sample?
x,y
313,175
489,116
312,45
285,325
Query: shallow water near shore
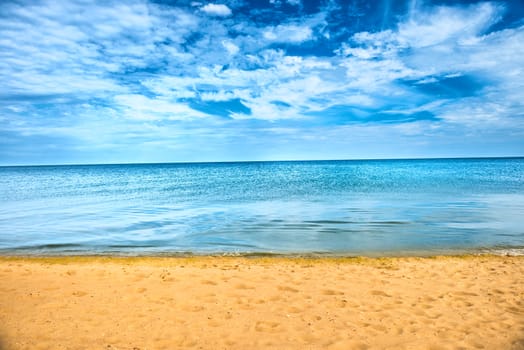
x,y
373,207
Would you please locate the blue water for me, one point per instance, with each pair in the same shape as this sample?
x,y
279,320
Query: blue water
x,y
373,207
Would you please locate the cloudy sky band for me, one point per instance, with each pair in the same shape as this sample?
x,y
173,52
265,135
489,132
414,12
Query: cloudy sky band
x,y
140,81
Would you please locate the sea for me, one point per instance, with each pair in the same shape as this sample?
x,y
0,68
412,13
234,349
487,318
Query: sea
x,y
341,208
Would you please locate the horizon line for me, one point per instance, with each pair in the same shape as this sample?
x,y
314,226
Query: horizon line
x,y
259,161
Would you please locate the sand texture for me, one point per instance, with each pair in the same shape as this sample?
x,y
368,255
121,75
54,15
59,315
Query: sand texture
x,y
262,303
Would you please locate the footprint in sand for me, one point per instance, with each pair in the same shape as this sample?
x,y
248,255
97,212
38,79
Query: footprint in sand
x,y
287,289
275,297
331,292
294,310
467,294
428,299
243,286
193,308
342,304
212,283
380,293
267,327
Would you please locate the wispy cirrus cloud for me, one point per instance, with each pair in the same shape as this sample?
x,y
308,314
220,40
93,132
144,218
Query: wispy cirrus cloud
x,y
287,73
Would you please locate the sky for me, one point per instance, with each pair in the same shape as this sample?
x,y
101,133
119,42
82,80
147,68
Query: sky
x,y
187,81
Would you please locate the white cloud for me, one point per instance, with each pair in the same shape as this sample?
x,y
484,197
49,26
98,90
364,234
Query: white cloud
x,y
448,23
290,33
231,48
143,108
219,95
218,10
59,48
438,26
442,43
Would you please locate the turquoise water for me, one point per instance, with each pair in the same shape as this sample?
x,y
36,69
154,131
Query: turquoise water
x,y
373,207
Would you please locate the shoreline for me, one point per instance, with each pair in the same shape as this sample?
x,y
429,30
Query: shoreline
x,y
227,302
420,253
502,253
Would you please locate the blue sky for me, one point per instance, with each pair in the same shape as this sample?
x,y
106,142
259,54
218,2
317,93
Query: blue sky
x,y
162,81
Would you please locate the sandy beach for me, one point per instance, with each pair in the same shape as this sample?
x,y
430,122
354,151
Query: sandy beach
x,y
251,303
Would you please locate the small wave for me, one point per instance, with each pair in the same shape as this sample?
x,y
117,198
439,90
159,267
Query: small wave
x,y
50,246
392,222
330,222
132,246
505,251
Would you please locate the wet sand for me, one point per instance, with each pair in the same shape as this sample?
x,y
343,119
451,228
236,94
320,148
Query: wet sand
x,y
251,303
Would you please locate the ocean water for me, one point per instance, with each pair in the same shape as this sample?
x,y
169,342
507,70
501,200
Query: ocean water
x,y
370,207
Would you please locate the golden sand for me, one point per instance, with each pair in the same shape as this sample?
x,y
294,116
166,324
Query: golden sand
x,y
254,303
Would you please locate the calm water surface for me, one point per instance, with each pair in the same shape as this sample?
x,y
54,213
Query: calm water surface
x,y
375,207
